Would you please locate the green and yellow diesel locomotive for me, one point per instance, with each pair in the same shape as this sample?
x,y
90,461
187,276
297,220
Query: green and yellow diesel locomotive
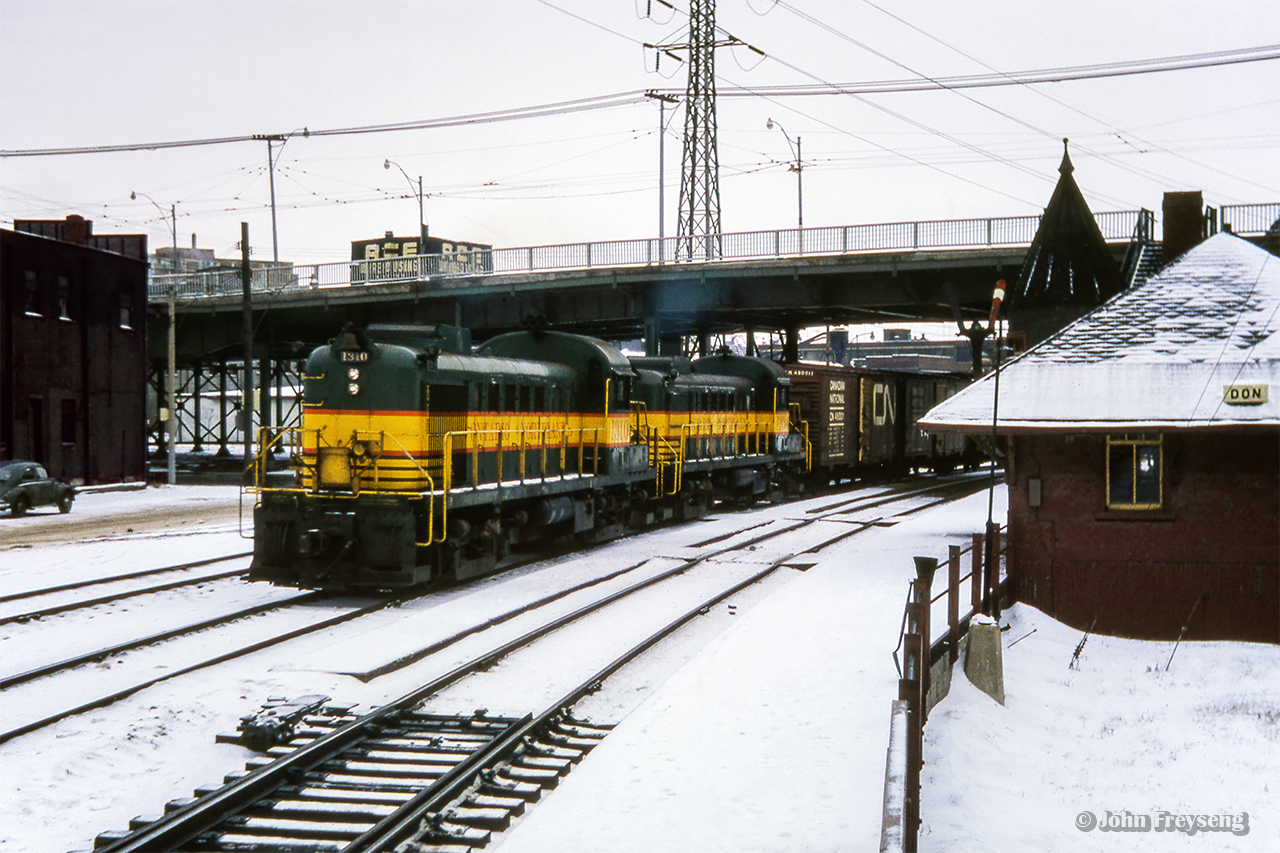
x,y
420,459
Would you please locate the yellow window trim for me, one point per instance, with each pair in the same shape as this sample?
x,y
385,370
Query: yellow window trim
x,y
1136,440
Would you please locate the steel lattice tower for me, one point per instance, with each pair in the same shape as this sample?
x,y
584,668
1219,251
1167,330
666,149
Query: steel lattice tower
x,y
699,231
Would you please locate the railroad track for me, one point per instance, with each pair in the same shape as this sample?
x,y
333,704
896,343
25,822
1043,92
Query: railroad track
x,y
82,603
106,699
330,786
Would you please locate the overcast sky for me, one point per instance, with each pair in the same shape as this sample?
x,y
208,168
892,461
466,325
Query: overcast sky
x,y
82,74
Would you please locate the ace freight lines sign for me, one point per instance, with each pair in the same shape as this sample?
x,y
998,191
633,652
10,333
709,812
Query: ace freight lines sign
x,y
394,258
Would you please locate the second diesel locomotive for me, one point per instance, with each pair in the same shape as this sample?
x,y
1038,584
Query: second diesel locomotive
x,y
419,459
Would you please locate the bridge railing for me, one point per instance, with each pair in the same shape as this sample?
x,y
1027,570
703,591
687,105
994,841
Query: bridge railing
x,y
991,232
1251,220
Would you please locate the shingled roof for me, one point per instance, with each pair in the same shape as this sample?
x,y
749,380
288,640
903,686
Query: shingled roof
x,y
1156,357
1068,269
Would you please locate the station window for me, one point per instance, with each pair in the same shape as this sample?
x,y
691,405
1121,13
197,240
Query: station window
x,y
1135,473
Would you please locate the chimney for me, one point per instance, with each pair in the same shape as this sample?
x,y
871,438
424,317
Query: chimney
x,y
1183,223
78,229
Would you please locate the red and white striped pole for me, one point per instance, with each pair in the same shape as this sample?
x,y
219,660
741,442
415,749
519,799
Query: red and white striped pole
x,y
996,299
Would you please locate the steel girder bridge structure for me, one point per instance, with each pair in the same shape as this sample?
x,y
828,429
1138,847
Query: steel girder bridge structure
x,y
632,290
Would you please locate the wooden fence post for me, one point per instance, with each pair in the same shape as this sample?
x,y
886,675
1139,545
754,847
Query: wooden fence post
x,y
953,602
909,689
976,573
993,536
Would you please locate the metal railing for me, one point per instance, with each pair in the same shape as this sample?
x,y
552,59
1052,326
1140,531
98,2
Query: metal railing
x,y
535,450
920,653
938,234
1250,220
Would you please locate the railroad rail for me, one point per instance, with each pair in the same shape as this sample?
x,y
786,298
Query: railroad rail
x,y
230,654
129,645
49,590
373,782
83,603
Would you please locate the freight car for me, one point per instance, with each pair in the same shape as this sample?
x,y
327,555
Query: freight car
x,y
862,423
419,459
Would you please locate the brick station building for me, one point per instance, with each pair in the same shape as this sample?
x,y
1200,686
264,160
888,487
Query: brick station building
x,y
1142,449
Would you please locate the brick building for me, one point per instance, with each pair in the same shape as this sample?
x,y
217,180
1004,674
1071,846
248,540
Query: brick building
x,y
73,357
1143,454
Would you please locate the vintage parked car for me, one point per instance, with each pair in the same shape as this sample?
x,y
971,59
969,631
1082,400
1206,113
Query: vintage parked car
x,y
24,485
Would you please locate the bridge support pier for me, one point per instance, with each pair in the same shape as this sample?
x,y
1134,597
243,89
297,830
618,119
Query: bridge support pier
x,y
223,451
655,343
204,425
197,428
791,344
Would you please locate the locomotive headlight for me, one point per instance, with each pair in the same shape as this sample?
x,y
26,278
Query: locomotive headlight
x,y
353,373
353,388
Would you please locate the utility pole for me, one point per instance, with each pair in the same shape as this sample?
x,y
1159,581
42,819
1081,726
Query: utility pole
x,y
799,170
246,405
171,372
699,231
271,175
662,100
422,215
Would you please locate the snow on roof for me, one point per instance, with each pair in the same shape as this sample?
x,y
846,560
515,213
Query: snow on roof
x,y
1159,356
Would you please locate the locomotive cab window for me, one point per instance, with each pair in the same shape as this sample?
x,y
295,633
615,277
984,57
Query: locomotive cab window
x,y
1135,471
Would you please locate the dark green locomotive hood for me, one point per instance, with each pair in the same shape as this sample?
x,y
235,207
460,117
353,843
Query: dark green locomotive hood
x,y
559,347
421,338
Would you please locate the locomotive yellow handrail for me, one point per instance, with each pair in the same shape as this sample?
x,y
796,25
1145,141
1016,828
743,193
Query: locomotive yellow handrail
x,y
309,471
587,438
639,421
665,454
800,425
670,447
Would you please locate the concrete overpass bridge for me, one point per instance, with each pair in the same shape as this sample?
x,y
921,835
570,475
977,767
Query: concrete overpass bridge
x,y
668,293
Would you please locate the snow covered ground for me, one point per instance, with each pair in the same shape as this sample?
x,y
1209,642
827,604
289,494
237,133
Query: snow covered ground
x,y
1119,734
772,738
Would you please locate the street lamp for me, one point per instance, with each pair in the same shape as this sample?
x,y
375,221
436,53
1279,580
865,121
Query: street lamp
x,y
799,170
422,218
171,381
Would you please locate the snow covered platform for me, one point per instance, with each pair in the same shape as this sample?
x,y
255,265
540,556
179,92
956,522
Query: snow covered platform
x,y
774,737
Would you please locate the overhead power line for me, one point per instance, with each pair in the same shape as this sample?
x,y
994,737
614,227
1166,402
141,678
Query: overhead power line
x,y
598,102
1012,78
1022,78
